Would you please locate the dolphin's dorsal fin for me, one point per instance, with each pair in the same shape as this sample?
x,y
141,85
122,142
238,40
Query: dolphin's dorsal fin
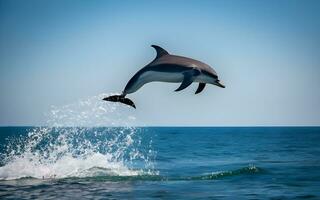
x,y
160,51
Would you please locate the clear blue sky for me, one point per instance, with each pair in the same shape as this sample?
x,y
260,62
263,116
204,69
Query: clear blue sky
x,y
266,52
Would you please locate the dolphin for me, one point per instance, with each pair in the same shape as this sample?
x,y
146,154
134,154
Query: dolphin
x,y
169,68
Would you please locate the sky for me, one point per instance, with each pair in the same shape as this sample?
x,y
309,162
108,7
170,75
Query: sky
x,y
267,53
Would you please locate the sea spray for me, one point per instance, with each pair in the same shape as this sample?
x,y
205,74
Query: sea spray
x,y
86,138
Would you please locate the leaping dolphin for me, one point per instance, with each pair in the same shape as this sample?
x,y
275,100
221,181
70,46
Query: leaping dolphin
x,y
169,68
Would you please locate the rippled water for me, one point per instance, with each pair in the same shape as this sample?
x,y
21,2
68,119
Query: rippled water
x,y
66,161
171,162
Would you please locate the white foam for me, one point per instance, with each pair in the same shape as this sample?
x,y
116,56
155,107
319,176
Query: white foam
x,y
66,166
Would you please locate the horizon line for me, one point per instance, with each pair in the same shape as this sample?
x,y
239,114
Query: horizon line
x,y
172,126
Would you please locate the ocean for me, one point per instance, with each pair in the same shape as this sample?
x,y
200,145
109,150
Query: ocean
x,y
159,162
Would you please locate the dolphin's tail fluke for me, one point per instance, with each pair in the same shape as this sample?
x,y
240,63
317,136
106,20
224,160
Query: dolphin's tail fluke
x,y
121,99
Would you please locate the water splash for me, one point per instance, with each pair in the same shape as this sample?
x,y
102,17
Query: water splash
x,y
91,112
74,144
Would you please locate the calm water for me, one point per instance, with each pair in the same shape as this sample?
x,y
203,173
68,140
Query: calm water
x,y
163,163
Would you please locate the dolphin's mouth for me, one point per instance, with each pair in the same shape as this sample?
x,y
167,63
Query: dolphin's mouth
x,y
220,84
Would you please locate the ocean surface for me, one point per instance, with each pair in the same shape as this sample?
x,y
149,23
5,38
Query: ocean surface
x,y
160,163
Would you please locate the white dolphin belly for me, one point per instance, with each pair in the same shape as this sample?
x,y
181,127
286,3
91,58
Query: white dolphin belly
x,y
154,76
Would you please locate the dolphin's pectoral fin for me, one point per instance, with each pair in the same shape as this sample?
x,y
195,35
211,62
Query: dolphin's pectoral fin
x,y
185,83
121,99
188,79
200,87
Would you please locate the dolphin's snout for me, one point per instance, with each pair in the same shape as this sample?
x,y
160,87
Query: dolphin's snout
x,y
218,83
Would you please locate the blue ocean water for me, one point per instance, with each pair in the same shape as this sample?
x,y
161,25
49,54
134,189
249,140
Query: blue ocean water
x,y
160,163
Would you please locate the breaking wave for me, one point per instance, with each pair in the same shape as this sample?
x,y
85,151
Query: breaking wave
x,y
85,139
104,174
